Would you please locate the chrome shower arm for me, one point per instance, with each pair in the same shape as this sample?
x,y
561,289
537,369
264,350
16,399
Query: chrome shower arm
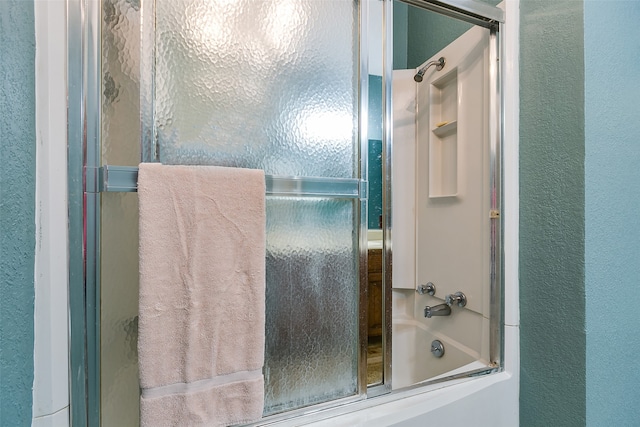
x,y
439,66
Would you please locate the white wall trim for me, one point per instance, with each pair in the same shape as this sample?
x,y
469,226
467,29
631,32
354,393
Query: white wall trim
x,y
59,419
51,353
511,158
511,194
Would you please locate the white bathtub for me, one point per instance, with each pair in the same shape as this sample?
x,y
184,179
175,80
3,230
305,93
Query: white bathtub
x,y
413,361
488,400
456,403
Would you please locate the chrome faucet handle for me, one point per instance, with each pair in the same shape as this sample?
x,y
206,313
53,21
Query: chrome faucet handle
x,y
429,289
457,298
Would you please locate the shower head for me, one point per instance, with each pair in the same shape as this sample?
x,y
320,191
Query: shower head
x,y
439,66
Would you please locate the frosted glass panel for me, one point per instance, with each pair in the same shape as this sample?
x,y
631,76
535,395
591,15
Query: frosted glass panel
x,y
119,310
120,83
269,84
120,137
312,295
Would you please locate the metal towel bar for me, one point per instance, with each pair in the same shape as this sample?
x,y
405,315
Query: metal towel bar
x,y
125,179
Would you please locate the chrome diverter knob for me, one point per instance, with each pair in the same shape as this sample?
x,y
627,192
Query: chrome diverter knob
x,y
457,298
429,289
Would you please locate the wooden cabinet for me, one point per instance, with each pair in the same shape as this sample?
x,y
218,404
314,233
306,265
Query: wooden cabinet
x,y
375,293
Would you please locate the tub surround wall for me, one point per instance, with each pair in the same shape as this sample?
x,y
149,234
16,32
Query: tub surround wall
x,y
465,332
552,247
403,171
17,210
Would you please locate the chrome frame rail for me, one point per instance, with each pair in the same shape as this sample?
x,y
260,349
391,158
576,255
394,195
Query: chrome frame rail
x,y
473,12
361,209
496,326
78,381
387,192
83,82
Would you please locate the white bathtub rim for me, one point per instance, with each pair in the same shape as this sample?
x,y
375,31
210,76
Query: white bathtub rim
x,y
398,406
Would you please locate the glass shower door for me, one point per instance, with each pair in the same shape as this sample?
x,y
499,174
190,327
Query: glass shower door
x,y
273,85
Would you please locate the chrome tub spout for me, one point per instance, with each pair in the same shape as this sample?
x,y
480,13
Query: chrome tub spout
x,y
437,310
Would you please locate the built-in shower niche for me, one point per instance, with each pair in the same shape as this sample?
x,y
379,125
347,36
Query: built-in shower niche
x,y
443,138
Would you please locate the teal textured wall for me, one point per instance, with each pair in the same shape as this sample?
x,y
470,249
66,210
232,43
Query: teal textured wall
x,y
400,16
17,210
428,33
612,210
552,271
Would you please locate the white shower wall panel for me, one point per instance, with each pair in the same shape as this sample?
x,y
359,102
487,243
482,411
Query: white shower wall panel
x,y
403,179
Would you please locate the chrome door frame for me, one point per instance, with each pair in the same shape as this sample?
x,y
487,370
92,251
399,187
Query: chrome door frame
x,y
83,86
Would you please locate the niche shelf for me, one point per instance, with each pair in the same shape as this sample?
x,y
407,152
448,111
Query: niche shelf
x,y
443,141
446,129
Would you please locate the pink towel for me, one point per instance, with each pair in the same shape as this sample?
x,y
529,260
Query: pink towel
x,y
202,295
